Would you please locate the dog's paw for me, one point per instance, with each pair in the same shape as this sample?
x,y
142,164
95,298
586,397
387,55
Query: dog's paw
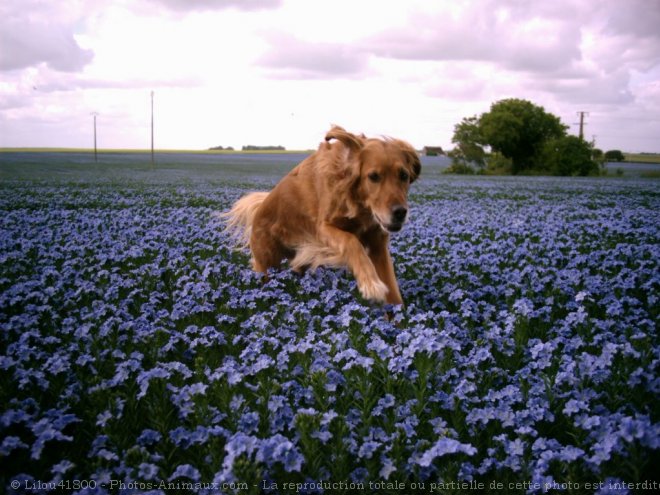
x,y
373,290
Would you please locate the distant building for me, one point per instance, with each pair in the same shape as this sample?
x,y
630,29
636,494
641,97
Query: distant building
x,y
433,150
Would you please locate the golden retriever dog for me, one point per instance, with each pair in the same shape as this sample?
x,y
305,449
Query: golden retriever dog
x,y
336,208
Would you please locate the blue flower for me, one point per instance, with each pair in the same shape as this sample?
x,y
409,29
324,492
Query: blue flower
x,y
249,422
103,418
367,449
149,437
574,406
613,486
146,376
444,446
62,467
238,444
280,449
528,310
387,467
50,428
383,404
11,443
107,455
185,471
148,471
359,475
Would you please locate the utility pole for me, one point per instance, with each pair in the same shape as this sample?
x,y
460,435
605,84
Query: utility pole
x,y
581,124
95,153
152,129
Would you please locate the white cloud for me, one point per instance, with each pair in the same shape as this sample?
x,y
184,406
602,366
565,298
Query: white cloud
x,y
505,33
292,58
196,5
280,72
612,88
30,40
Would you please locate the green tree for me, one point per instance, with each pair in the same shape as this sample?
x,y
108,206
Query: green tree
x,y
469,150
614,156
568,155
498,165
458,164
518,130
597,155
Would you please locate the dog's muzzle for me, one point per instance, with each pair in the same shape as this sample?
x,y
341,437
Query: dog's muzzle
x,y
397,218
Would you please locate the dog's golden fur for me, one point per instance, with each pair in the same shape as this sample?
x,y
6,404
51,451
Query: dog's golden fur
x,y
336,208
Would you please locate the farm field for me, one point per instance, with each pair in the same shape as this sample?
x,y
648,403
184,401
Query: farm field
x,y
173,165
139,353
643,157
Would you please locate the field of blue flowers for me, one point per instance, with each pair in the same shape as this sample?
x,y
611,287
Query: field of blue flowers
x,y
139,353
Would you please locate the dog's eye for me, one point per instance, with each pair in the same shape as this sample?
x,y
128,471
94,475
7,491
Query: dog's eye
x,y
403,176
374,177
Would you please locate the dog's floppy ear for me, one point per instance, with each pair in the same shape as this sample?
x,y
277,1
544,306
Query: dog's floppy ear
x,y
412,159
351,141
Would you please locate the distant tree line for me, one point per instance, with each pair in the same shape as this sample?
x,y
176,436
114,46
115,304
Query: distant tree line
x,y
519,137
251,147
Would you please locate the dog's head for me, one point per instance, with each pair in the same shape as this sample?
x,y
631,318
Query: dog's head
x,y
382,171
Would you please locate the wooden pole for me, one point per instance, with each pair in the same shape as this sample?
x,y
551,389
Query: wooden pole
x,y
96,159
582,114
152,129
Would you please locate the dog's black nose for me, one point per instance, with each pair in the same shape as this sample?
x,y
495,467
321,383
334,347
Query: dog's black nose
x,y
399,213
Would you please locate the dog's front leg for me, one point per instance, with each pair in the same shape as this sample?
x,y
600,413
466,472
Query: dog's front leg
x,y
354,255
380,256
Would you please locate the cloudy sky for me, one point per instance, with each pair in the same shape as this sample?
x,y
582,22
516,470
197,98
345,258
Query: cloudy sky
x,y
279,72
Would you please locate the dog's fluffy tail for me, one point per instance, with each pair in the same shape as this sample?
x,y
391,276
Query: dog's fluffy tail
x,y
238,220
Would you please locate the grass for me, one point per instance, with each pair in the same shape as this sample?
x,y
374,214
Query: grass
x,y
120,166
148,151
642,157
